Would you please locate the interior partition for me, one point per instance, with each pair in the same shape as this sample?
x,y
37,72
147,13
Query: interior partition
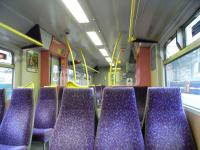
x,y
143,67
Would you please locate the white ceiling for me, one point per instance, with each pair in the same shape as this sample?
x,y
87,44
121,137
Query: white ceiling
x,y
152,21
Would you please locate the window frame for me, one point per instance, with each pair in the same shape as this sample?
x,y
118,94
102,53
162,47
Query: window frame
x,y
187,49
167,43
9,66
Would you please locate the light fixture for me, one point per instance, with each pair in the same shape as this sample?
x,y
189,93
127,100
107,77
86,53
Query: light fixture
x,y
108,59
103,52
76,10
94,38
112,64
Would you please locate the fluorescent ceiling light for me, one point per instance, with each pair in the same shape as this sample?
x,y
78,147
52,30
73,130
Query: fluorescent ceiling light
x,y
76,10
108,59
94,38
103,52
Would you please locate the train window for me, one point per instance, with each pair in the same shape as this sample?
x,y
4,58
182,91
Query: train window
x,y
70,75
5,57
171,48
185,73
192,31
6,73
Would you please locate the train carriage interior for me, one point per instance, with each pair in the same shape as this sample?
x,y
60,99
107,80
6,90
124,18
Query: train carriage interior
x,y
99,74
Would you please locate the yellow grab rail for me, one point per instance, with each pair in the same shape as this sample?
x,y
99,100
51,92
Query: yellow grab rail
x,y
71,84
20,34
85,65
30,85
113,55
116,67
92,69
72,57
131,37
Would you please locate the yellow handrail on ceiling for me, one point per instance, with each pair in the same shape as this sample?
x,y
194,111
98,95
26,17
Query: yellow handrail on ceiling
x,y
113,55
20,34
131,37
85,65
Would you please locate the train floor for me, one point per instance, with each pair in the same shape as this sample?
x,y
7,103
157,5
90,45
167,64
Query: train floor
x,y
37,146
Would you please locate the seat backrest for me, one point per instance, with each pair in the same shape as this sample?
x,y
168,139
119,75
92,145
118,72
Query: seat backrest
x,y
46,109
2,103
75,124
166,126
119,125
17,124
140,94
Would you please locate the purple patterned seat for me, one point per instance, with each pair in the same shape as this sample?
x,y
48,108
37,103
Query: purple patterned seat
x,y
140,94
119,125
16,126
166,126
74,128
2,103
45,117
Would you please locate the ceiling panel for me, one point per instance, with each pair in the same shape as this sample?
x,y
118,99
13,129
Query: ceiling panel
x,y
153,17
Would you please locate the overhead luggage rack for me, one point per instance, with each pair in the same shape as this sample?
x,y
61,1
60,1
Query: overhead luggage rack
x,y
11,35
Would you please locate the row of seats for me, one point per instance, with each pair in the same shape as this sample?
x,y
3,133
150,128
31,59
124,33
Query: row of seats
x,y
166,126
119,127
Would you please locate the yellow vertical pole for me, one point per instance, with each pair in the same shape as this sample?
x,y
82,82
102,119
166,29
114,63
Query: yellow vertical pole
x,y
115,73
72,57
131,36
85,65
113,55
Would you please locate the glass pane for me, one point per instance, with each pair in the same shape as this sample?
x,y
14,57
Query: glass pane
x,y
70,75
171,48
6,75
185,73
192,31
55,71
8,59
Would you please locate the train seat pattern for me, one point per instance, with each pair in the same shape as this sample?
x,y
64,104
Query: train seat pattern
x,y
75,124
2,103
16,126
45,117
166,126
119,125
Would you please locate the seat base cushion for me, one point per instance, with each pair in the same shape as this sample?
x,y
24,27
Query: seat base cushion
x,y
42,135
8,147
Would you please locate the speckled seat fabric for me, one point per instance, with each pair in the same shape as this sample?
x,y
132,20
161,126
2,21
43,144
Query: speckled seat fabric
x,y
16,126
2,103
140,94
166,126
45,117
119,125
74,128
6,147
